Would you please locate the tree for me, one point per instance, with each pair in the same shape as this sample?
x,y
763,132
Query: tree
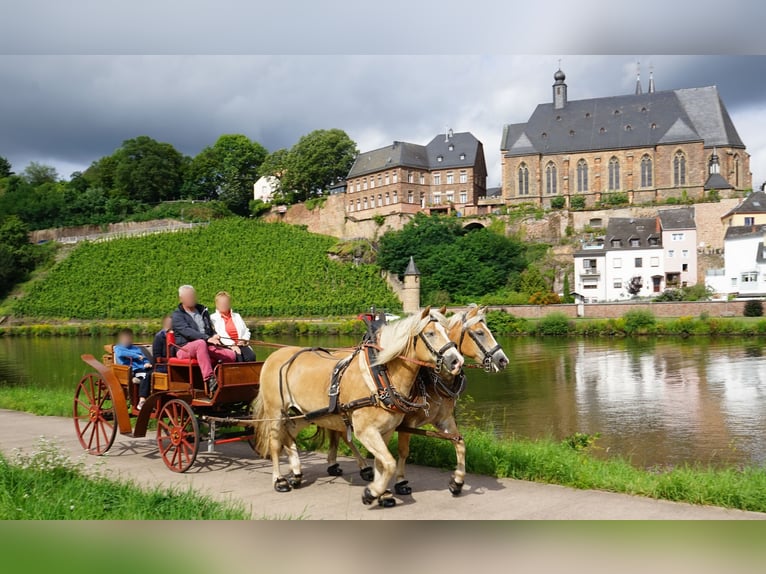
x,y
227,171
147,170
17,255
568,298
36,174
6,169
319,160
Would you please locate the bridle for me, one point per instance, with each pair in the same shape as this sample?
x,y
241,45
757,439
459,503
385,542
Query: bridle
x,y
488,353
438,354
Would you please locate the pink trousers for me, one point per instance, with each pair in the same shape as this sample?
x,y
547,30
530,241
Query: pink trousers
x,y
206,355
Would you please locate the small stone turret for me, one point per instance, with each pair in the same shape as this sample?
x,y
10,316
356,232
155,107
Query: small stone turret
x,y
411,291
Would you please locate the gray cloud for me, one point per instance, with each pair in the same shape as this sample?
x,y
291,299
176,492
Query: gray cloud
x,y
70,110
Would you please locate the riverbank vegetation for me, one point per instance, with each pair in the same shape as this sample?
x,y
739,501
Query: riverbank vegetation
x,y
46,485
271,270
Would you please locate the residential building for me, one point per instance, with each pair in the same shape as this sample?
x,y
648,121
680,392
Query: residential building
x,y
648,145
264,187
751,211
449,173
744,272
638,257
679,246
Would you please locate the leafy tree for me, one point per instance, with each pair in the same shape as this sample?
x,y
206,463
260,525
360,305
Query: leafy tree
x,y
753,308
319,160
275,163
227,170
37,174
101,172
147,170
17,256
568,298
6,170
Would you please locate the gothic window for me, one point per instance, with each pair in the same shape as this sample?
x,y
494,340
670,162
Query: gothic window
x,y
679,169
646,171
737,183
614,174
550,179
523,180
582,175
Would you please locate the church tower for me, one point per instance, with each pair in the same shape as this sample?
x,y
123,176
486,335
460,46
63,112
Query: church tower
x,y
411,290
559,90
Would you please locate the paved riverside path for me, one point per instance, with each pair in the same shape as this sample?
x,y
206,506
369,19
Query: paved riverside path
x,y
235,474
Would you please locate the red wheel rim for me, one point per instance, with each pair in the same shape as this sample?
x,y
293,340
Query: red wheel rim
x,y
177,435
93,413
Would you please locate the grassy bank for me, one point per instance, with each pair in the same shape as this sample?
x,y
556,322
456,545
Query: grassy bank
x,y
47,486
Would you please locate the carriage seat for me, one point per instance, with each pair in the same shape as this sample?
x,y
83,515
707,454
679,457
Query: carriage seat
x,y
170,339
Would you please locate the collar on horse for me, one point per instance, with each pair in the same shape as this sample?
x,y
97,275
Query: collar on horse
x,y
487,353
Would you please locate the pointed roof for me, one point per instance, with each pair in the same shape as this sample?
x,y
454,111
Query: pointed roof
x,y
412,269
753,203
679,132
716,181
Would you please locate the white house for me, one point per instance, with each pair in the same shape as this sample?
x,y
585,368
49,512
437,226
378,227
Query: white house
x,y
634,258
744,271
679,246
590,272
265,187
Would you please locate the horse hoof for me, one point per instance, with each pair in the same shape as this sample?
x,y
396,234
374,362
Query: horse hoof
x,y
282,485
367,497
335,470
367,473
402,488
455,487
295,480
387,500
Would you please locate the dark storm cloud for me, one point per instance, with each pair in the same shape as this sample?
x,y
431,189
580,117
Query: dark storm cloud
x,y
70,110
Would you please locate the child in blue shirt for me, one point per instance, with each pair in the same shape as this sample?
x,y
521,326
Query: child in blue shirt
x,y
130,355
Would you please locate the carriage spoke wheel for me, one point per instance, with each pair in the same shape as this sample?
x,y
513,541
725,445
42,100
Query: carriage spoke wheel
x,y
177,435
94,417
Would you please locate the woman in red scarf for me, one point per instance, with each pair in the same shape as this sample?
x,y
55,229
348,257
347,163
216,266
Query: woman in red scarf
x,y
231,328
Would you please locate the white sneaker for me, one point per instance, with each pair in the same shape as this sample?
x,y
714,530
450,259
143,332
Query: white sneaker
x,y
136,381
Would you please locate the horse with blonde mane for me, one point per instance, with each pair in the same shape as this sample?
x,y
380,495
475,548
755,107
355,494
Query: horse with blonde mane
x,y
469,331
367,392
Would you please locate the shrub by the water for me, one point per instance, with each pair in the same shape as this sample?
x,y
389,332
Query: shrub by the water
x,y
554,325
639,322
754,308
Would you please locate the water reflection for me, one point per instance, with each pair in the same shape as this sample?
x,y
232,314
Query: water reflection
x,y
660,402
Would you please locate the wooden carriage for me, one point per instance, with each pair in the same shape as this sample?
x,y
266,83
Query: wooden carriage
x,y
179,405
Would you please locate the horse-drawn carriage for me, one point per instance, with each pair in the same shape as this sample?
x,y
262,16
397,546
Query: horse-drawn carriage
x,y
373,390
179,404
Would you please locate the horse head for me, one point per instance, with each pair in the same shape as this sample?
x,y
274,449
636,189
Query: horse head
x,y
475,339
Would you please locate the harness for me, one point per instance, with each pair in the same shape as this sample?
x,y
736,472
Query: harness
x,y
488,353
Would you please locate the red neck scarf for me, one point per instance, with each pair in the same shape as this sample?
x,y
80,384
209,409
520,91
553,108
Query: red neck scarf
x,y
231,328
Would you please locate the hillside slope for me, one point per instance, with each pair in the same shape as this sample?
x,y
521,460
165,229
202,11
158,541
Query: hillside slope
x,y
270,269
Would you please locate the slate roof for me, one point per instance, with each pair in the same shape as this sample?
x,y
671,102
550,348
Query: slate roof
x,y
716,181
465,150
743,231
412,269
753,203
682,218
627,228
621,122
494,192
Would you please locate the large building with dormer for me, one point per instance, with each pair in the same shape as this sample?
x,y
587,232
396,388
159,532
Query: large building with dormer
x,y
447,174
649,146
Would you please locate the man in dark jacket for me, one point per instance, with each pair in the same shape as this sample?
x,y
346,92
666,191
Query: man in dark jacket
x,y
196,337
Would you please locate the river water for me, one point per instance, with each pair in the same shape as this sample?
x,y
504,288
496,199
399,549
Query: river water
x,y
658,402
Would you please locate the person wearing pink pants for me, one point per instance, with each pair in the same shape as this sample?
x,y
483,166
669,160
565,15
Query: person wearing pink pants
x,y
196,338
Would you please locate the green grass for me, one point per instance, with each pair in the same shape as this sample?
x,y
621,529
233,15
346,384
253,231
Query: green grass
x,y
47,486
49,402
271,270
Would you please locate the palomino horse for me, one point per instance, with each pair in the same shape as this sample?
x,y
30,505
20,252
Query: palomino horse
x,y
469,331
297,384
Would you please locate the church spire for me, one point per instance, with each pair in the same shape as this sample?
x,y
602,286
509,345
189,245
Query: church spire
x,y
651,79
639,89
559,89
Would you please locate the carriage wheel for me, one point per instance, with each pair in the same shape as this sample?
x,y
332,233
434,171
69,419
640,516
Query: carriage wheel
x,y
177,435
94,416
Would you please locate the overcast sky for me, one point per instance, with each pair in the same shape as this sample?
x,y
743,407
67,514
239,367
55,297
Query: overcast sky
x,y
70,110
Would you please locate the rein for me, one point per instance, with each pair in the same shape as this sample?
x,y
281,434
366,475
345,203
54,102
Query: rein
x,y
488,353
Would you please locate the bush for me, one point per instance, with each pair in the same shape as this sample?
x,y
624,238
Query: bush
x,y
577,202
379,219
502,323
558,202
754,308
504,297
639,322
672,201
554,325
544,298
616,198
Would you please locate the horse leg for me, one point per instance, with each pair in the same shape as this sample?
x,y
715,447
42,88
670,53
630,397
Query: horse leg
x,y
296,478
401,486
333,468
385,464
275,448
365,470
458,478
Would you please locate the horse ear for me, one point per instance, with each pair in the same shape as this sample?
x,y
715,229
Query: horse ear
x,y
472,312
443,310
482,310
426,312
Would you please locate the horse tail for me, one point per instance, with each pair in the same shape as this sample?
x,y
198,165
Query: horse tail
x,y
262,427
